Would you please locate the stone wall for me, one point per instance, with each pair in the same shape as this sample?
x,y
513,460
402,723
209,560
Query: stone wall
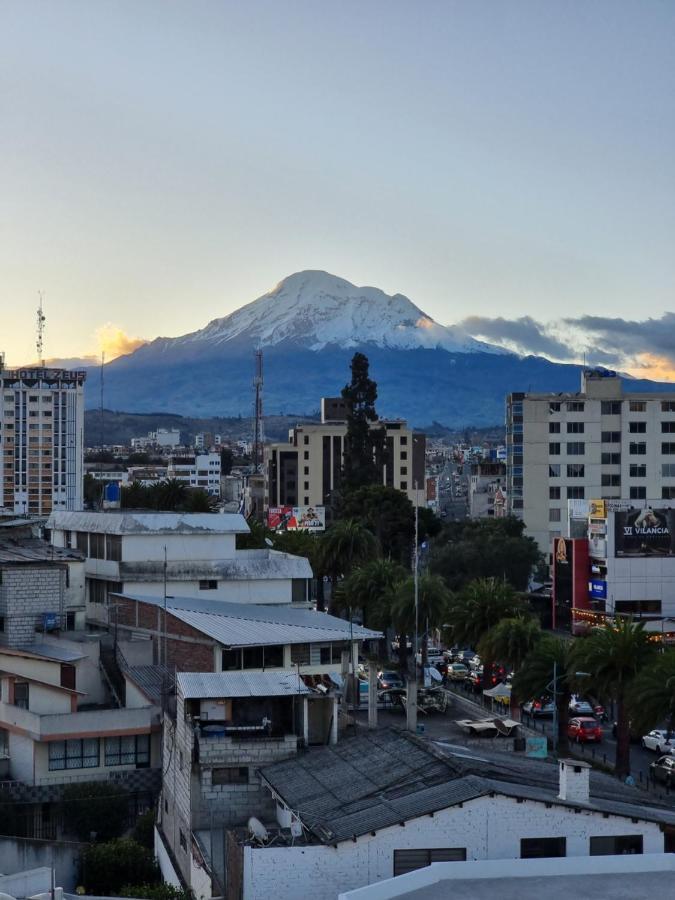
x,y
26,592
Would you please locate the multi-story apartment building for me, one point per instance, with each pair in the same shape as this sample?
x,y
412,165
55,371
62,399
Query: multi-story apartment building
x,y
602,442
201,470
307,469
41,439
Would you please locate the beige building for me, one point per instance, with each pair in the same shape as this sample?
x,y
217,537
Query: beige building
x,y
602,442
306,470
41,439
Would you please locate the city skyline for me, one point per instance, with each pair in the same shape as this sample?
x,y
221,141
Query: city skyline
x,y
511,165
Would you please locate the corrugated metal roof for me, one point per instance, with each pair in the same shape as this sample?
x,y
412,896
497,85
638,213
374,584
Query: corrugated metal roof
x,y
254,625
196,685
149,523
44,651
28,550
150,680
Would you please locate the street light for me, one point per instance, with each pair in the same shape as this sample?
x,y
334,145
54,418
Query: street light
x,y
553,686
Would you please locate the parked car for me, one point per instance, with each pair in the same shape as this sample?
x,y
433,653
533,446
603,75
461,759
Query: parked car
x,y
387,681
663,770
539,708
659,740
457,671
584,730
579,707
475,679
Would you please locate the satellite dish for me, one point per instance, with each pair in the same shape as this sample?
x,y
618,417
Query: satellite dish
x,y
435,674
256,829
269,542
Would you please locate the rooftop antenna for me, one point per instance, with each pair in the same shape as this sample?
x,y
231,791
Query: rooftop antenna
x,y
41,318
258,435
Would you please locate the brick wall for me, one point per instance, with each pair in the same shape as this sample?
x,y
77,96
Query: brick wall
x,y
26,592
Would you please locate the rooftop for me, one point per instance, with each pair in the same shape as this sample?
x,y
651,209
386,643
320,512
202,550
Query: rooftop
x,y
22,551
381,778
126,522
255,625
210,685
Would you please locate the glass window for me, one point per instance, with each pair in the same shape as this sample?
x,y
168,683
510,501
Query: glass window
x,y
82,542
554,427
575,427
208,584
554,470
554,407
274,656
668,406
113,547
575,470
610,407
611,459
74,754
668,493
409,860
575,406
231,659
610,437
253,658
637,406
554,515
637,427
668,449
130,750
97,546
21,694
668,427
538,848
638,492
554,449
638,470
616,846
554,493
575,493
576,448
610,480
637,449
230,775
668,470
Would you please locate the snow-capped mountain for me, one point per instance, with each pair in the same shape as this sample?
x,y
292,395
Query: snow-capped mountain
x,y
316,309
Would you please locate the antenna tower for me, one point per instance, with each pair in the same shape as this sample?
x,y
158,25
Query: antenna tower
x,y
258,434
40,322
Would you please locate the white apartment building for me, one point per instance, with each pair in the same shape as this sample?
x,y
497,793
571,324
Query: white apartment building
x,y
602,442
41,439
307,469
200,470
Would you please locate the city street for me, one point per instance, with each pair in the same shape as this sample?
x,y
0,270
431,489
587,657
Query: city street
x,y
453,495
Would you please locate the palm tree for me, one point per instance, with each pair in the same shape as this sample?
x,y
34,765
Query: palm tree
x,y
651,699
477,609
550,660
346,545
615,655
369,589
509,642
433,598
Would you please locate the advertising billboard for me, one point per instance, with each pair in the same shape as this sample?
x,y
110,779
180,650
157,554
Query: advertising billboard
x,y
597,509
296,518
644,532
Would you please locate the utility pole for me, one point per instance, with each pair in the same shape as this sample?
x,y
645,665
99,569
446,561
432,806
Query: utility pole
x,y
411,691
166,659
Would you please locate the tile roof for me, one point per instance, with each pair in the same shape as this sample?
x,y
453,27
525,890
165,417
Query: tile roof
x,y
255,625
197,685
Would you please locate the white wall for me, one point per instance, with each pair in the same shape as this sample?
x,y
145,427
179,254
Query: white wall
x,y
142,548
489,828
253,591
21,757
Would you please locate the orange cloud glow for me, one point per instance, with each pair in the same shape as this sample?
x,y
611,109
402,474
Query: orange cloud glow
x,y
114,342
650,365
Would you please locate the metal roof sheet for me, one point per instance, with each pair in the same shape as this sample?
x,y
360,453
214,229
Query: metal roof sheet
x,y
150,680
254,625
125,522
29,550
203,685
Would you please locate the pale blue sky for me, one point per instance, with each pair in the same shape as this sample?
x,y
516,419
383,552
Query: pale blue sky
x,y
162,163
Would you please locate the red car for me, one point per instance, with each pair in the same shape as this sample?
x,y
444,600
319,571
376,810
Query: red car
x,y
584,730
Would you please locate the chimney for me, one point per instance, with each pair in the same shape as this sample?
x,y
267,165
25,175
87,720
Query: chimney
x,y
574,781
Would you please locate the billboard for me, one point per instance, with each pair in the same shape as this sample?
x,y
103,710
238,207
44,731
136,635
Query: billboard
x,y
644,532
597,509
296,518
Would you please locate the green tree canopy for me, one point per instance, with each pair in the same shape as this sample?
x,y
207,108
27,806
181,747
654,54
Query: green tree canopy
x,y
511,640
433,601
388,514
651,699
370,588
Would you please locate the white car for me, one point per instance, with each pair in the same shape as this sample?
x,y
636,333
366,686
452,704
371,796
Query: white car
x,y
659,741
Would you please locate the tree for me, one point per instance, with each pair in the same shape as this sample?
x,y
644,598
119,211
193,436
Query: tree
x,y
364,445
168,495
478,608
106,867
197,500
95,807
257,537
433,598
388,513
346,545
615,655
226,461
369,588
511,640
651,699
551,658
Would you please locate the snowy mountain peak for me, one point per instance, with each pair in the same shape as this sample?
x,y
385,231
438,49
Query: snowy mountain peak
x,y
317,309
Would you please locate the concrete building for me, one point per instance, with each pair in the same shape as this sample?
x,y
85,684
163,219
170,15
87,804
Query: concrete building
x,y
487,490
163,438
602,442
307,469
197,471
193,554
385,803
41,440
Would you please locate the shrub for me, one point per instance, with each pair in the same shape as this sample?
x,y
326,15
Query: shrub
x,y
160,891
144,830
95,807
106,867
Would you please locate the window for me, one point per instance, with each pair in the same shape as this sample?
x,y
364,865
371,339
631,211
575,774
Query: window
x,y
306,470
230,660
638,449
637,427
539,848
668,470
554,470
231,775
610,459
554,493
668,427
616,846
554,407
638,607
554,515
404,470
638,492
610,437
554,449
575,427
404,454
97,546
252,658
668,493
575,493
577,448
82,542
306,454
638,470
21,694
575,470
610,480
404,485
74,754
610,407
668,406
113,547
306,485
409,860
554,427
404,440
132,750
637,406
273,656
575,406
208,584
99,590
305,439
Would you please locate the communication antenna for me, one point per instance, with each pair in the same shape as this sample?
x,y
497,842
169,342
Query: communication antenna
x,y
258,433
40,322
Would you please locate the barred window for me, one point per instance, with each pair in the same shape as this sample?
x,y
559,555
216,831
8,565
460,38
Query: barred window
x,y
74,754
130,750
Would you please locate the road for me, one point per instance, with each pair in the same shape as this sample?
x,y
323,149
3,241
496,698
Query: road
x,y
453,495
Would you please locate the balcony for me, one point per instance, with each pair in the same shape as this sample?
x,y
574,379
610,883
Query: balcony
x,y
92,723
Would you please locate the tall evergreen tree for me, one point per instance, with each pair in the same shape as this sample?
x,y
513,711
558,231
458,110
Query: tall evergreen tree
x,y
364,445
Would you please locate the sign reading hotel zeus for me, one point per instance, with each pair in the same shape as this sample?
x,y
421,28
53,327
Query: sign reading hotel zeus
x,y
644,532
